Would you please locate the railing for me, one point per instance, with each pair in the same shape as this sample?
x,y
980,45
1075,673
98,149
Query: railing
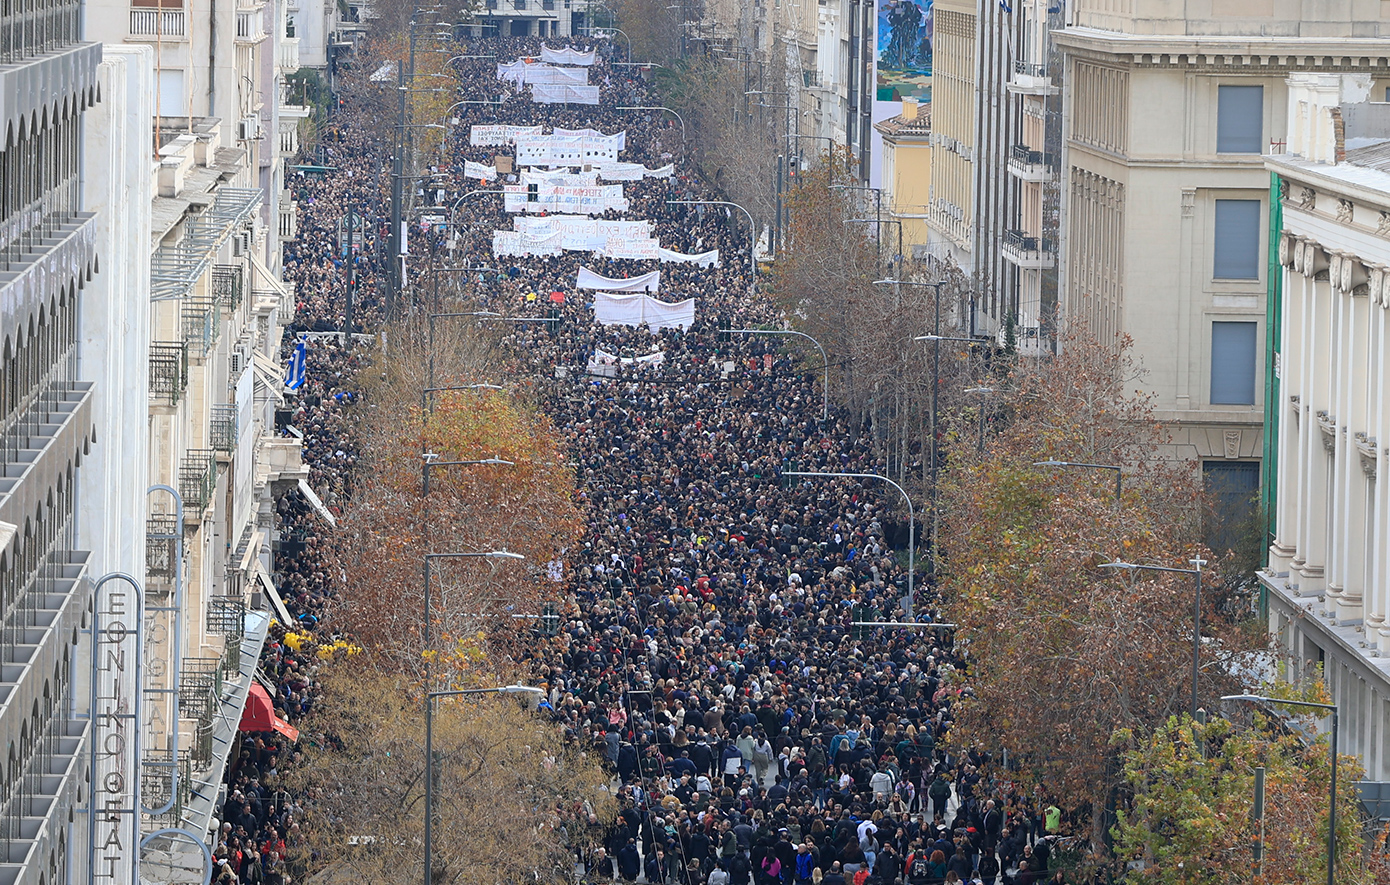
x,y
289,54
197,479
22,232
29,28
249,25
227,285
156,783
201,753
227,616
1030,70
200,687
163,543
222,428
157,23
1026,242
168,372
202,321
1021,153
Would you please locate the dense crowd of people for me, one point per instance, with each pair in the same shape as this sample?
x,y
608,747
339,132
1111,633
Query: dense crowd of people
x,y
708,648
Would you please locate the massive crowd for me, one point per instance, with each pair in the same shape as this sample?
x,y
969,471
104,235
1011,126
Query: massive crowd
x,y
707,648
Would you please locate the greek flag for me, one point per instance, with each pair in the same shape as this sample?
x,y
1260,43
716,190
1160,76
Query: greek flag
x,y
294,375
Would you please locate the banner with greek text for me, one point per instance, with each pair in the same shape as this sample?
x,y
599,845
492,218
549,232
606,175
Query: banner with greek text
x,y
490,136
620,138
631,248
561,93
479,171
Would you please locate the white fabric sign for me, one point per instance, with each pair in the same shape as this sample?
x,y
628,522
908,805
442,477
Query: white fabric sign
x,y
619,137
561,93
565,199
524,73
566,179
631,172
635,309
704,259
648,282
508,242
479,171
580,233
567,56
568,150
628,247
488,136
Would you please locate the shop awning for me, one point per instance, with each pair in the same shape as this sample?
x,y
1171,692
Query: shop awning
x,y
259,714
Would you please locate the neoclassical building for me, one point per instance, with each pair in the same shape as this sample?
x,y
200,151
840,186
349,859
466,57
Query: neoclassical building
x,y
1328,407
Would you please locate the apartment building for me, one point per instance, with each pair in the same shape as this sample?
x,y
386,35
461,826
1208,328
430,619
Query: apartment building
x,y
1328,579
528,18
48,80
1167,111
906,174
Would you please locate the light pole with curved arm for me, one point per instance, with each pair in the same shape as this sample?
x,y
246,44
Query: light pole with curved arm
x,y
824,362
752,234
911,523
1196,571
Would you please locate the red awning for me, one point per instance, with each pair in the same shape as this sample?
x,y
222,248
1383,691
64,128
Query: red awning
x,y
259,714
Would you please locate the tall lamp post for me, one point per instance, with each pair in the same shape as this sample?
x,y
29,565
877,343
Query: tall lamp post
x,y
824,362
429,753
1196,572
1119,472
911,522
752,234
1332,807
429,461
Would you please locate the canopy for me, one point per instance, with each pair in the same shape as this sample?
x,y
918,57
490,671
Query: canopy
x,y
259,714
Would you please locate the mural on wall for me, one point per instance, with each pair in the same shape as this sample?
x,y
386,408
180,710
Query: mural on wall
x,y
904,61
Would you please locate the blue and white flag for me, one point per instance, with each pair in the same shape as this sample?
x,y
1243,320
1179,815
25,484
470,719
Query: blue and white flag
x,y
294,375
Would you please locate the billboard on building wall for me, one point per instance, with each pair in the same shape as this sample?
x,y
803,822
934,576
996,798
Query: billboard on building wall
x,y
903,62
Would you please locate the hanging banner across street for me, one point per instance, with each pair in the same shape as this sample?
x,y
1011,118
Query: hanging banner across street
x,y
636,309
649,282
567,55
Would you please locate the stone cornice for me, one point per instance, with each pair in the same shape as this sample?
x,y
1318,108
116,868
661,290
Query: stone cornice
x,y
1331,54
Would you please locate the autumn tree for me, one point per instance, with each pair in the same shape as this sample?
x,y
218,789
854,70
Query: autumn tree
x,y
512,796
1188,818
1064,651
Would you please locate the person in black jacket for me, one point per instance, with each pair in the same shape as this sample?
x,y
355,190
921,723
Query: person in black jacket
x,y
629,861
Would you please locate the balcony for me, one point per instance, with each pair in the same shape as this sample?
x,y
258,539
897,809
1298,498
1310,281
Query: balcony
x,y
222,429
176,269
158,24
202,322
168,372
1027,164
163,547
197,481
1031,79
1028,252
289,55
227,617
250,25
227,288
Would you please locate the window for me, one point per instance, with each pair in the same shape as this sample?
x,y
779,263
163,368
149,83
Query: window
x,y
1237,252
1233,364
1240,119
1231,487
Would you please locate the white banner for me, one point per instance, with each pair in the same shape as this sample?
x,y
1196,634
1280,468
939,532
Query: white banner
x,y
568,150
524,73
479,171
605,365
558,93
580,233
508,242
631,172
620,138
636,309
488,136
541,178
569,200
631,248
567,56
648,282
704,259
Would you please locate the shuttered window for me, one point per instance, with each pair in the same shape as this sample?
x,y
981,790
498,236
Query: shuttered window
x,y
1237,239
1240,119
1233,364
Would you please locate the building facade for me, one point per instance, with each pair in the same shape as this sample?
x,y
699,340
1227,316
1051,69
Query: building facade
x,y
48,81
1328,579
906,175
1165,196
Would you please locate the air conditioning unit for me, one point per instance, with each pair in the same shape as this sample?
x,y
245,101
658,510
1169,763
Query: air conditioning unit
x,y
248,129
241,244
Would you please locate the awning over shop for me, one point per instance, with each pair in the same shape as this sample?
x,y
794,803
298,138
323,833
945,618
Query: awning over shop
x,y
259,714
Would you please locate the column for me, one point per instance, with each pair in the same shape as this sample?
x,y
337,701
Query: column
x,y
1316,396
1286,503
1355,427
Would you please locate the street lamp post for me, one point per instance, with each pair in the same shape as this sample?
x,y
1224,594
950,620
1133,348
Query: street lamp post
x,y
429,753
1196,572
481,554
429,461
1332,807
427,395
1119,471
752,234
824,362
911,522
